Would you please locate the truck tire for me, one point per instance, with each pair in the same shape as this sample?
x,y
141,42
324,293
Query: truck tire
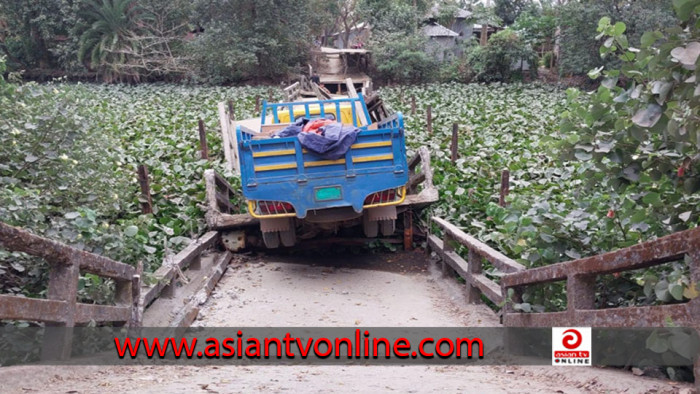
x,y
370,227
271,239
288,237
387,227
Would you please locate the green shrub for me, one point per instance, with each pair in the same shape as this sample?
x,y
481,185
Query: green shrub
x,y
495,62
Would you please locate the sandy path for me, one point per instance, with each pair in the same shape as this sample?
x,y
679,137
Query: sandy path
x,y
272,291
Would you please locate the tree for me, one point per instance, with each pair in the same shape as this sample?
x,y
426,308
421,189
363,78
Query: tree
x,y
107,43
537,27
639,132
509,10
35,34
246,39
494,62
577,20
486,17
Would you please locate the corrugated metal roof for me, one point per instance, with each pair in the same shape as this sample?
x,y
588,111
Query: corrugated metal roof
x,y
437,30
463,14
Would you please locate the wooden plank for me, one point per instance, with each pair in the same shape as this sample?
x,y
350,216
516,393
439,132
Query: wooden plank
x,y
221,221
415,180
414,161
669,248
496,258
224,122
166,273
359,111
224,202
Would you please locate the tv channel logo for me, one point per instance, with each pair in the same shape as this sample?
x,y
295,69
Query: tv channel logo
x,y
571,346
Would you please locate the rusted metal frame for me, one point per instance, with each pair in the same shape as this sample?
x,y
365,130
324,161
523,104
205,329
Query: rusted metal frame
x,y
693,255
56,253
166,274
84,313
55,311
644,316
33,309
669,248
500,261
18,240
63,286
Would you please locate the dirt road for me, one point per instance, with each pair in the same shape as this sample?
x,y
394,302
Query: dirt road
x,y
334,291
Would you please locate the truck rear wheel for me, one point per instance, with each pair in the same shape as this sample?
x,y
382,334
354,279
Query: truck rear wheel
x,y
271,239
387,227
288,237
370,227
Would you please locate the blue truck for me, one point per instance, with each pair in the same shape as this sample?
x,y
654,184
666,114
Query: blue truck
x,y
296,193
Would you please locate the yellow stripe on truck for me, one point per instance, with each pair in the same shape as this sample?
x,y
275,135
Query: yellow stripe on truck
x,y
320,163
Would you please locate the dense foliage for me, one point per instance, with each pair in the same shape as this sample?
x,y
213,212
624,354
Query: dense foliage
x,y
68,158
578,21
499,60
553,214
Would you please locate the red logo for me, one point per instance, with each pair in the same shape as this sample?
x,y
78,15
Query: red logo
x,y
573,340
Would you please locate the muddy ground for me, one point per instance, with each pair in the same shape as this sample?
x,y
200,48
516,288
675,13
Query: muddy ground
x,y
341,290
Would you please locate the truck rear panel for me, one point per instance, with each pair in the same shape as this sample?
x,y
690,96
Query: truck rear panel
x,y
280,178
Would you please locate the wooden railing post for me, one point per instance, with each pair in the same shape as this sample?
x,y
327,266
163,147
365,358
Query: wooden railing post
x,y
146,201
63,286
429,117
505,187
136,306
231,113
454,155
447,241
408,230
257,104
474,268
204,149
413,105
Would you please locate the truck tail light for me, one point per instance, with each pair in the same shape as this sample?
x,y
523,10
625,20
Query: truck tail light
x,y
275,207
381,197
